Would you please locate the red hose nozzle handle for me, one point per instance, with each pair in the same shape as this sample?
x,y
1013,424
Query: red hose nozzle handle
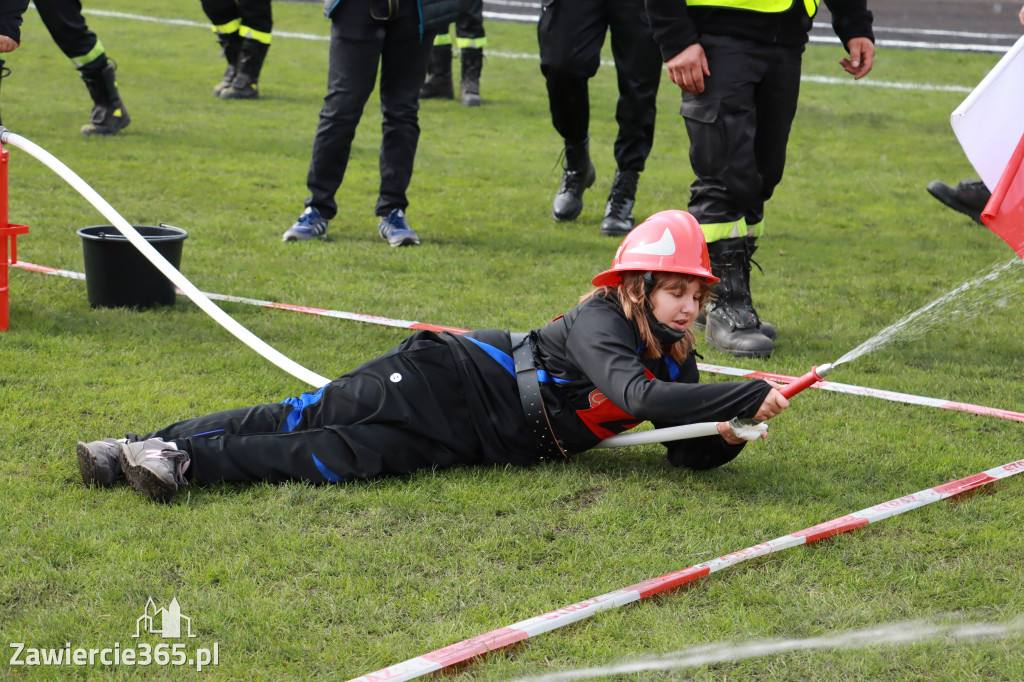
x,y
806,381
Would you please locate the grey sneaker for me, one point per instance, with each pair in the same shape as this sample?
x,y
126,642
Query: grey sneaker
x,y
396,230
98,462
310,225
155,468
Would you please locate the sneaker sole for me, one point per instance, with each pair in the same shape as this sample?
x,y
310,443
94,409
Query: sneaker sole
x,y
287,238
144,481
87,466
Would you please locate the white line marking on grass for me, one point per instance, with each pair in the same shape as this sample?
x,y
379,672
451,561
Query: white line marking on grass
x,y
823,80
896,634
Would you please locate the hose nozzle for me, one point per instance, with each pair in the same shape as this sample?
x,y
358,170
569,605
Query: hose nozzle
x,y
806,381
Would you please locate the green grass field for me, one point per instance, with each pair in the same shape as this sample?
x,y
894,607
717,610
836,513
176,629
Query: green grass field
x,y
301,582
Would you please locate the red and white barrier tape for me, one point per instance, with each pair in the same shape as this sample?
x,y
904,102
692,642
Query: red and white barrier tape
x,y
496,639
715,369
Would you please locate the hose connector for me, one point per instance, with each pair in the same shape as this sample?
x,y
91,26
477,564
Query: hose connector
x,y
806,381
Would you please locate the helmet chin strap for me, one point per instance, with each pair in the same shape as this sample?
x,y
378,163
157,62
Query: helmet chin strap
x,y
664,333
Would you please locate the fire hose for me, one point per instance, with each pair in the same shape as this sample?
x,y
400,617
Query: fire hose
x,y
161,263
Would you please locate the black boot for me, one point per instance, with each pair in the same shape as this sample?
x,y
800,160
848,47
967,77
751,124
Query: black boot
x,y
109,115
4,73
766,328
577,175
439,74
969,196
231,50
732,322
618,212
472,63
245,84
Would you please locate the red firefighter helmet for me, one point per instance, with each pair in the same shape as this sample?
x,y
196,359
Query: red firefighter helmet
x,y
669,241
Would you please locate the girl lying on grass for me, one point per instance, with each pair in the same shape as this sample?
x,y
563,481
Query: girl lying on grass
x,y
624,355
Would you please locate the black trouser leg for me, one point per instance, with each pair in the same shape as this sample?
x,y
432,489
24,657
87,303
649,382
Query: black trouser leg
x,y
570,35
255,14
404,59
739,126
470,20
397,414
638,69
351,76
63,19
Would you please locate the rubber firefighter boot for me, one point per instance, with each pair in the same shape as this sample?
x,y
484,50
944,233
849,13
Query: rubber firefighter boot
x,y
109,115
472,64
245,84
439,74
231,50
577,175
732,324
766,328
618,212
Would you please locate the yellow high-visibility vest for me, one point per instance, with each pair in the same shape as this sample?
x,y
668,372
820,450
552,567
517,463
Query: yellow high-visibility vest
x,y
766,6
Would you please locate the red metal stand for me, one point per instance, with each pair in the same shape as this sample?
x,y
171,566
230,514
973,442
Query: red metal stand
x,y
6,230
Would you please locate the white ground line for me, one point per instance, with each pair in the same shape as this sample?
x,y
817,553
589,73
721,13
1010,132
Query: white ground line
x,y
823,80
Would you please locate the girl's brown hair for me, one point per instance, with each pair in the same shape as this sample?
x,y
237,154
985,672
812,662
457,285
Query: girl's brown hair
x,y
635,302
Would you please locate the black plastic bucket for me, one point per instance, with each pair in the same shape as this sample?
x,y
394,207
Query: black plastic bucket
x,y
117,275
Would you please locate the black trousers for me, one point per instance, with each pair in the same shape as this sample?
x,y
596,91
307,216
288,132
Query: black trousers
x,y
571,34
402,412
358,44
739,127
256,14
470,22
63,19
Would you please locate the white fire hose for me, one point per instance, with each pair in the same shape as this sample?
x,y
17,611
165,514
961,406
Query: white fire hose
x,y
161,263
743,428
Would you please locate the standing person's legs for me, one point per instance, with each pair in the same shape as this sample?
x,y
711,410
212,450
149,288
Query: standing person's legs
x,y
226,18
63,19
351,76
638,68
255,35
404,60
722,123
471,41
404,57
570,34
776,100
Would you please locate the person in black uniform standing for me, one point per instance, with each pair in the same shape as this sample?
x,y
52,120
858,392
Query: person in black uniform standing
x,y
398,37
624,355
738,64
471,41
243,29
63,19
571,34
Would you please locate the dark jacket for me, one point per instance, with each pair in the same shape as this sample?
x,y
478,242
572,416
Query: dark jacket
x,y
601,386
435,15
676,26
